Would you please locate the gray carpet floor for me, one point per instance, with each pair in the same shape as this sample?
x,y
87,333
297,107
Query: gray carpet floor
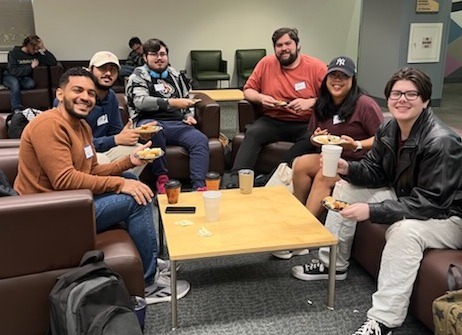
x,y
256,294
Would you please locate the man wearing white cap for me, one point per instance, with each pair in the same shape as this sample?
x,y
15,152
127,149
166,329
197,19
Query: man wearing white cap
x,y
111,138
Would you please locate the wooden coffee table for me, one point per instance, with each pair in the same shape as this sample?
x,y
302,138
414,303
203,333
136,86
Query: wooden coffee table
x,y
268,219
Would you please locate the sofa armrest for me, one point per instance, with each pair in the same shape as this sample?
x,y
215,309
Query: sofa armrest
x,y
9,142
45,231
247,113
207,115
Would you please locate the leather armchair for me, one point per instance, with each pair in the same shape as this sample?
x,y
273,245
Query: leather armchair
x,y
246,59
271,154
41,237
208,65
208,122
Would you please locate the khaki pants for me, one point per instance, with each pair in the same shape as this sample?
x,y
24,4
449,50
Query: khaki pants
x,y
117,152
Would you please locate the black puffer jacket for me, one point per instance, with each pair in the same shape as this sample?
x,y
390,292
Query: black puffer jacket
x,y
426,173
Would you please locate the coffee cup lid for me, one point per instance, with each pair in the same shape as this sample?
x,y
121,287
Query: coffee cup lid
x,y
172,183
212,175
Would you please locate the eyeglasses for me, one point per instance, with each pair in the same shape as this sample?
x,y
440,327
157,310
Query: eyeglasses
x,y
157,54
410,95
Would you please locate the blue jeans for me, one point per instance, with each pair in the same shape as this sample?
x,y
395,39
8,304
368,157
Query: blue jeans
x,y
15,84
112,208
192,139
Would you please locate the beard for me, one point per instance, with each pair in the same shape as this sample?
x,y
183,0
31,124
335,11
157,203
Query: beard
x,y
288,61
69,107
102,86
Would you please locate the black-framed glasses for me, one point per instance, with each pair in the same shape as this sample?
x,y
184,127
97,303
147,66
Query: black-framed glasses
x,y
410,95
157,54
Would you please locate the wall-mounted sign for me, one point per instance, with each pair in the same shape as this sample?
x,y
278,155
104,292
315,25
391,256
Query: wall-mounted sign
x,y
427,6
424,43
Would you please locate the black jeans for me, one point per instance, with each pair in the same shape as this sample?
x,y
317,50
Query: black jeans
x,y
267,130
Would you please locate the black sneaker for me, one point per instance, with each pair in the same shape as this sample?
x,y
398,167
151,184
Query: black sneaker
x,y
315,270
372,327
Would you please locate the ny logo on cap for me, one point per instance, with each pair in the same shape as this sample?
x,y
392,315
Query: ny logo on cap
x,y
340,62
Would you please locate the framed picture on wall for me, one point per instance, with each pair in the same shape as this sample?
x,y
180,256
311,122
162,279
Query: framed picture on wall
x,y
424,43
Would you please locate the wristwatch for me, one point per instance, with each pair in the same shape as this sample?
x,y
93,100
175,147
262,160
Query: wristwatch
x,y
359,146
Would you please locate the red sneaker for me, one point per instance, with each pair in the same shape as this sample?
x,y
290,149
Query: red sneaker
x,y
160,183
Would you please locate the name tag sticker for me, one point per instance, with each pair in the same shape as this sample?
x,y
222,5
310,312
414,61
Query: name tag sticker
x,y
88,152
337,120
300,86
159,87
102,120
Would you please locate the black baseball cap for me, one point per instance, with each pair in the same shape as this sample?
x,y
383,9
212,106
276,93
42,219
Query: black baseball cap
x,y
342,64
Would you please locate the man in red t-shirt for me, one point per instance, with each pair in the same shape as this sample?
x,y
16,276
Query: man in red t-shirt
x,y
286,85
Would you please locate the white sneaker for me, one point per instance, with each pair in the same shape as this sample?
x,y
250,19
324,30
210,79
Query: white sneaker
x,y
164,266
160,291
286,254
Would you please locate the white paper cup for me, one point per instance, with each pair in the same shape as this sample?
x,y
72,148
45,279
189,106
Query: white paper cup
x,y
330,156
246,177
212,204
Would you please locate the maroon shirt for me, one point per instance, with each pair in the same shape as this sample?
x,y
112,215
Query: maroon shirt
x,y
362,124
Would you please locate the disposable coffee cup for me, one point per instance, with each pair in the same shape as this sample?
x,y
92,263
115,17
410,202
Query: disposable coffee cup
x,y
212,181
246,181
140,309
330,156
173,188
212,204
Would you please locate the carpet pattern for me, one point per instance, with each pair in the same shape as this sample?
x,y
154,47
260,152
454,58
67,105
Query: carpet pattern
x,y
256,294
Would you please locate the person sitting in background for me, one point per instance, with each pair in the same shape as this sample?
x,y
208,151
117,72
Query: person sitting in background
x,y
22,60
157,92
286,84
342,108
135,57
56,153
411,180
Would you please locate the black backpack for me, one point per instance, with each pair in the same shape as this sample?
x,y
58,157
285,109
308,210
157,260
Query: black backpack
x,y
92,299
18,120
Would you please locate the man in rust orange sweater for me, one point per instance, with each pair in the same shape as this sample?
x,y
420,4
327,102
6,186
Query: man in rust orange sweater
x,y
57,153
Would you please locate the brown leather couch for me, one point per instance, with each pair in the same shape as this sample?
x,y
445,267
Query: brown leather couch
x,y
432,277
271,154
41,97
208,122
41,237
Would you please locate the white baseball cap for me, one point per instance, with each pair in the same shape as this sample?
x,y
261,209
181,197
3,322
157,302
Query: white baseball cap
x,y
104,57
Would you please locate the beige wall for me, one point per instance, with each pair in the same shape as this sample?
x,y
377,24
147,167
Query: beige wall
x,y
74,30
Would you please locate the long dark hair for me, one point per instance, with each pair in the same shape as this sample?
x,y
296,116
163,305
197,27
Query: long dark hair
x,y
325,107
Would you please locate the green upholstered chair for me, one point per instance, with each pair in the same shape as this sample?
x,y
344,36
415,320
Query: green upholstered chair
x,y
208,66
246,59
